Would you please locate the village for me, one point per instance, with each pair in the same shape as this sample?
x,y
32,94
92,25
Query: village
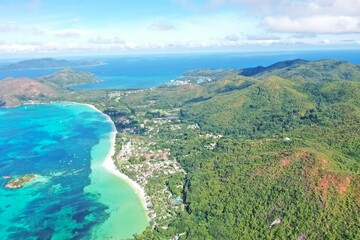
x,y
151,169
142,153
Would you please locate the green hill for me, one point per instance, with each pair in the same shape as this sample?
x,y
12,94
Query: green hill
x,y
68,77
15,91
272,105
315,71
289,153
285,65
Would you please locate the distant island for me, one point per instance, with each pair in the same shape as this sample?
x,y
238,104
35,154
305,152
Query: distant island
x,y
20,181
68,77
44,63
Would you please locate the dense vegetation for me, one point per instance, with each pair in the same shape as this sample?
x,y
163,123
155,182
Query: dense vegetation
x,y
269,152
68,77
290,152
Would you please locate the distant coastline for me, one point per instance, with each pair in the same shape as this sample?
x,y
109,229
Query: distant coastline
x,y
47,63
40,68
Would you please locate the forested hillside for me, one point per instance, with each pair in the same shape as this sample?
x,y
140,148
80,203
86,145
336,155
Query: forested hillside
x,y
287,163
268,152
68,77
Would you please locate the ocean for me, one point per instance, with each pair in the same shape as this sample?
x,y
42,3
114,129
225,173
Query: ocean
x,y
73,196
145,71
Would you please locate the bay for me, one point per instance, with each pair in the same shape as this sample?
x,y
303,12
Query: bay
x,y
73,196
144,71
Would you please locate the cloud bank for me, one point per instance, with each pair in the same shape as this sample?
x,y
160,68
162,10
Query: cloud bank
x,y
177,25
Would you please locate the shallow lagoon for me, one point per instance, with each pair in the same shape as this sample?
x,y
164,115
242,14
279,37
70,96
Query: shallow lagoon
x,y
74,196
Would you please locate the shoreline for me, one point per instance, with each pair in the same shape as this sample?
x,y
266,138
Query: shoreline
x,y
108,164
110,167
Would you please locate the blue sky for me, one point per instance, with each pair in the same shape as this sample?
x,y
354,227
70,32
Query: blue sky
x,y
60,27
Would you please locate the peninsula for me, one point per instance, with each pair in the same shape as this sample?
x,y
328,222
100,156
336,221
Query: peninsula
x,y
15,91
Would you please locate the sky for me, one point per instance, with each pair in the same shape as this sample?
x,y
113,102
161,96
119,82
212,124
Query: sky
x,y
73,27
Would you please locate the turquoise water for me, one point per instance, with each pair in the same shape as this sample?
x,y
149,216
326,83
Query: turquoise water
x,y
73,197
144,71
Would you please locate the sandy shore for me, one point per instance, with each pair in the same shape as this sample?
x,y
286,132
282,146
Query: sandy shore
x,y
109,164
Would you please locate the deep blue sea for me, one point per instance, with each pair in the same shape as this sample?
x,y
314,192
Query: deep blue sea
x,y
73,196
143,71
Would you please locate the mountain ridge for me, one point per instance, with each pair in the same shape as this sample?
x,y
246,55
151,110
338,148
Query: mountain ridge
x,y
43,63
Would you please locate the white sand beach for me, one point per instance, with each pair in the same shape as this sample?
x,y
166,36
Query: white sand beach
x,y
109,164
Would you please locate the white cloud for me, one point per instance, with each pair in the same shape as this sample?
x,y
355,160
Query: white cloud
x,y
232,38
318,7
67,33
326,41
263,38
34,5
209,24
282,7
289,16
304,35
101,40
18,48
162,26
36,31
8,27
314,24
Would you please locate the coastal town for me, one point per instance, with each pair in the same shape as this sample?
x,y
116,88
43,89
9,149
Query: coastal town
x,y
153,169
142,153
